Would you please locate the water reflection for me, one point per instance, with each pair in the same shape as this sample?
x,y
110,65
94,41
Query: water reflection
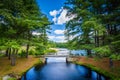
x,y
61,71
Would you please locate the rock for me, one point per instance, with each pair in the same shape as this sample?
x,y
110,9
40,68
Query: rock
x,y
6,77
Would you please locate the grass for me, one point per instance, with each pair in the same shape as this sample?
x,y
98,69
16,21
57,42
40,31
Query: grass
x,y
101,71
22,65
101,66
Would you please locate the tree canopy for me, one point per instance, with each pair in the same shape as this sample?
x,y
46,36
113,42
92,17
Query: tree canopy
x,y
96,25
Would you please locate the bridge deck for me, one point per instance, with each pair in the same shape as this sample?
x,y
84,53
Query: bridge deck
x,y
59,56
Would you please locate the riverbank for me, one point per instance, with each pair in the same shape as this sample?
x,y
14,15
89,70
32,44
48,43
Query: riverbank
x,y
101,65
22,65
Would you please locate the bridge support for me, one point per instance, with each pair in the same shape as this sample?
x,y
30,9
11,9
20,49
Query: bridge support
x,y
66,60
46,60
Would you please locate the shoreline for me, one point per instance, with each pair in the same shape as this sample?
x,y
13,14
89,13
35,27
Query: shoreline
x,y
110,73
18,70
83,61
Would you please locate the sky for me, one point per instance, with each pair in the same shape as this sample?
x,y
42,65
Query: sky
x,y
55,13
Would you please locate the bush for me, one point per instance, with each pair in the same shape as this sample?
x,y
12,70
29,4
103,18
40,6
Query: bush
x,y
32,52
2,55
115,57
51,51
102,51
22,53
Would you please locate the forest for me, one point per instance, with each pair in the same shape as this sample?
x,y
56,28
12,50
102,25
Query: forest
x,y
95,28
24,30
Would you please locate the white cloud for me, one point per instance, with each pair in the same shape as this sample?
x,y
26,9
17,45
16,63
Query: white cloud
x,y
54,13
62,16
59,31
54,20
51,37
60,37
57,38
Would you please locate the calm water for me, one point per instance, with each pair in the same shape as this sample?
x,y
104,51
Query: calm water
x,y
58,69
64,51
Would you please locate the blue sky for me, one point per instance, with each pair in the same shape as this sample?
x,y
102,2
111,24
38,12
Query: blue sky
x,y
55,12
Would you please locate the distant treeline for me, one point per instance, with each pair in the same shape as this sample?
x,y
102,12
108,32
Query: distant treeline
x,y
58,44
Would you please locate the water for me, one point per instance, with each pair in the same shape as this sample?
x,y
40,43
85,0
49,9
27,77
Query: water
x,y
58,69
64,51
56,59
78,52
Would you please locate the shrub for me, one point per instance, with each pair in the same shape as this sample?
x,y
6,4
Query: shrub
x,y
32,52
115,57
22,53
51,51
102,51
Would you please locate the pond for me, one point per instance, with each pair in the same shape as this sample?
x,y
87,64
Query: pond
x,y
58,69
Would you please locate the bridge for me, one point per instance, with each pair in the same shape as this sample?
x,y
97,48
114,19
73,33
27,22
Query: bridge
x,y
54,55
67,56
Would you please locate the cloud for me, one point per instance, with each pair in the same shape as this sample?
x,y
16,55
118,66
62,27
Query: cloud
x,y
51,37
63,18
59,31
54,13
60,17
54,20
57,38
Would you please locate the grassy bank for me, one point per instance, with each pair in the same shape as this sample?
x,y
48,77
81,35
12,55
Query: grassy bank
x,y
101,66
22,65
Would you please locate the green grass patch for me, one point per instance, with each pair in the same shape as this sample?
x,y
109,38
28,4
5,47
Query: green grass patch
x,y
12,79
101,71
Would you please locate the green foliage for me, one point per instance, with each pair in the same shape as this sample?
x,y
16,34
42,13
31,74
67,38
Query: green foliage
x,y
18,19
92,26
51,44
115,57
1,55
40,49
32,52
51,51
12,79
22,53
102,51
61,45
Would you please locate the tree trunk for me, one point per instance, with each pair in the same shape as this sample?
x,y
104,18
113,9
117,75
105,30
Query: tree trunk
x,y
16,51
88,52
95,39
103,39
27,49
9,53
13,59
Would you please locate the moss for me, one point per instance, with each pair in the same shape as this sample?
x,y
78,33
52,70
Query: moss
x,y
101,71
